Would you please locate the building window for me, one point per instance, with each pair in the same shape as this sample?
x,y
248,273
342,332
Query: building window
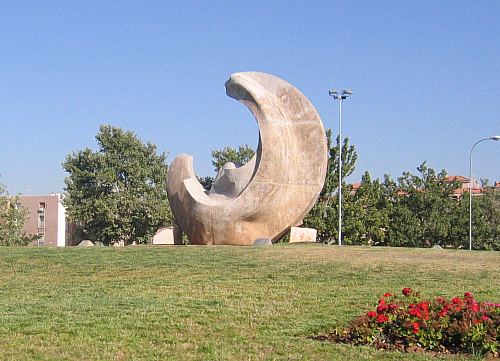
x,y
17,206
41,219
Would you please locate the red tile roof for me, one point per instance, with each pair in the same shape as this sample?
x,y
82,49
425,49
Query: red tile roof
x,y
460,191
355,185
458,178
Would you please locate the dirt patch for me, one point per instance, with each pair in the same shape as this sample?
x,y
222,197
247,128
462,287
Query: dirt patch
x,y
400,347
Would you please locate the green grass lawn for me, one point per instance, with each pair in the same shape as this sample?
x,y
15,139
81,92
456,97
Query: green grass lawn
x,y
214,303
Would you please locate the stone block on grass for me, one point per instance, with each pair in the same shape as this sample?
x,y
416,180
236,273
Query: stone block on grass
x,y
303,235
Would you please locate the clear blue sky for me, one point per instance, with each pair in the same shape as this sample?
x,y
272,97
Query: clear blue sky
x,y
425,76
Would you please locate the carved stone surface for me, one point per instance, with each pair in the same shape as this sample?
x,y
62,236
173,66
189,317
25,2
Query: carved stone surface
x,y
275,189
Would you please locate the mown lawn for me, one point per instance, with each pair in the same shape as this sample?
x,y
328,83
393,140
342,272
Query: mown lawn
x,y
214,303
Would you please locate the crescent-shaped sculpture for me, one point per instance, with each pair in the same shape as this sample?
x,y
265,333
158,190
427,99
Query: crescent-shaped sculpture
x,y
275,189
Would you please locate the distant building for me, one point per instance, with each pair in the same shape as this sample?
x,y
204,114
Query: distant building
x,y
464,182
355,186
46,219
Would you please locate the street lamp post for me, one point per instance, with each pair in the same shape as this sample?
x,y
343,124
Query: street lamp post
x,y
496,138
340,97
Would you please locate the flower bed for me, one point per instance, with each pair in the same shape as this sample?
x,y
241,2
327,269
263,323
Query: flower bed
x,y
410,323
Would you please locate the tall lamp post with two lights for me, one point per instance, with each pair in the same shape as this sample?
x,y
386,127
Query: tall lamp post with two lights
x,y
343,95
495,138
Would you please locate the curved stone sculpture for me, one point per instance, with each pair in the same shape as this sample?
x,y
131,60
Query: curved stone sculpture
x,y
275,190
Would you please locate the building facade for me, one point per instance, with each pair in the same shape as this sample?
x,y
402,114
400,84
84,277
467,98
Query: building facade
x,y
46,219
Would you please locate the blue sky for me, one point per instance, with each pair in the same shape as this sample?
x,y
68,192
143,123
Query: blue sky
x,y
425,77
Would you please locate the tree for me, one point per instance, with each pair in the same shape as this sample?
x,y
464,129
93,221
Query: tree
x,y
12,220
366,213
119,192
417,210
324,214
222,156
238,156
424,211
485,221
349,158
206,182
403,227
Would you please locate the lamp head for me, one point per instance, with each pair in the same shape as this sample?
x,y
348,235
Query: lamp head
x,y
333,93
495,137
346,94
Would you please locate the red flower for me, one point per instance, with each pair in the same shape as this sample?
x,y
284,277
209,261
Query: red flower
x,y
416,327
420,310
393,306
474,307
443,312
415,311
424,306
440,299
406,291
382,318
413,318
382,308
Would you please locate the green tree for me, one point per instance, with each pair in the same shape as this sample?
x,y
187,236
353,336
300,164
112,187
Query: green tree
x,y
349,158
366,213
238,156
485,220
222,156
324,215
117,193
424,210
206,182
12,219
403,227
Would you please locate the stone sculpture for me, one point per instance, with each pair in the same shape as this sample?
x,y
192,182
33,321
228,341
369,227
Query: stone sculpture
x,y
275,189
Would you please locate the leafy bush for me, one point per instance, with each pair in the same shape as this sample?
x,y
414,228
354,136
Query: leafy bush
x,y
409,323
12,219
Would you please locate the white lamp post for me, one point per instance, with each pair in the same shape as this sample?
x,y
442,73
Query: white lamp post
x,y
340,97
495,137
